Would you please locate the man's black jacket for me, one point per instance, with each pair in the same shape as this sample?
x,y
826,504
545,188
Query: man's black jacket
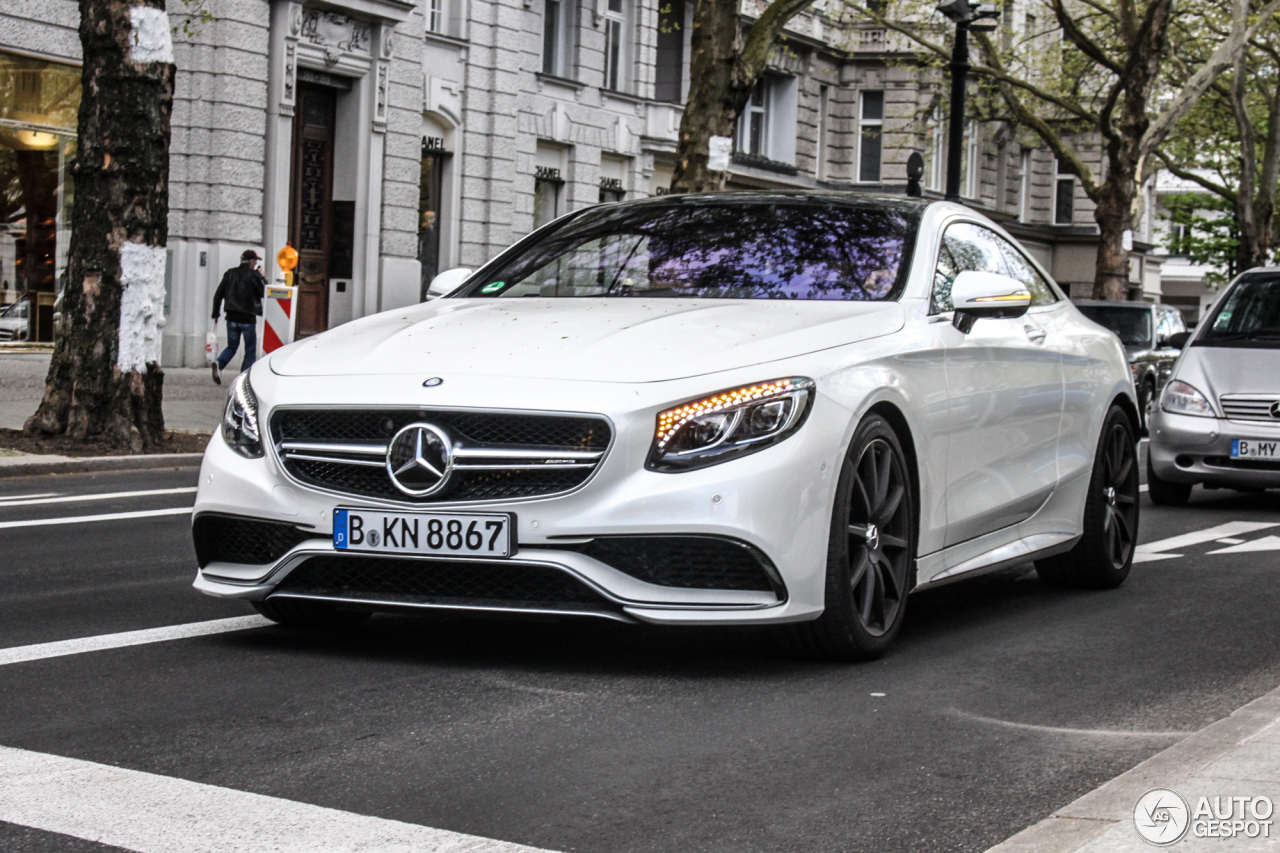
x,y
241,289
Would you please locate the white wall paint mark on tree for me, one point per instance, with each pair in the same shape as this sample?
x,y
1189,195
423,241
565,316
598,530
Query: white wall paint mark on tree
x,y
151,40
141,305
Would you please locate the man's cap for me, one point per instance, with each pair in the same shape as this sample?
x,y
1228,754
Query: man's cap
x,y
249,255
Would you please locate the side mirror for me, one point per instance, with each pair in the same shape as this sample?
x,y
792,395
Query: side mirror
x,y
447,282
1178,340
986,294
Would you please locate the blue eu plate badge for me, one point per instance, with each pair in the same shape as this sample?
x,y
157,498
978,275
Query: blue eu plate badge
x,y
340,528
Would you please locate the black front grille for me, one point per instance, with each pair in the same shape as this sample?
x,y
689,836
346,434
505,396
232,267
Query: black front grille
x,y
458,583
235,539
477,428
469,486
690,562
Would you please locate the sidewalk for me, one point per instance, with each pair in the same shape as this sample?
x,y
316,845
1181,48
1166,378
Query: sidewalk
x,y
192,403
1238,756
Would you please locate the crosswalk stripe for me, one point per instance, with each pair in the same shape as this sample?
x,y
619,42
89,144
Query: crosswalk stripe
x,y
149,813
109,516
1209,534
60,648
31,500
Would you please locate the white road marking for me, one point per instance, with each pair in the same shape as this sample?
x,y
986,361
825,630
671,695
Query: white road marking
x,y
1229,541
1066,731
1139,557
110,516
61,648
1143,487
1266,543
7,498
149,813
1198,537
29,500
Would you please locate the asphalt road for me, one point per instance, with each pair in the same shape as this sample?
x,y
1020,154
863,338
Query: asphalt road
x,y
1003,698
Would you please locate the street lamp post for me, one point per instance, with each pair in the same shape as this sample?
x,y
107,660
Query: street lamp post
x,y
978,17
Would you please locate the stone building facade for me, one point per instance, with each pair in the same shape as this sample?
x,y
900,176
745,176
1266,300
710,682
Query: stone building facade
x,y
389,140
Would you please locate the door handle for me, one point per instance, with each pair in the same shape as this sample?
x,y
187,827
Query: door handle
x,y
1036,334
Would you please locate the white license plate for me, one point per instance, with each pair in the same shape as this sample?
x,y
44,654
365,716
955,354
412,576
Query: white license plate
x,y
1250,448
453,533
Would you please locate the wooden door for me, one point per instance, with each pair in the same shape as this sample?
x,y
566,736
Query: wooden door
x,y
311,201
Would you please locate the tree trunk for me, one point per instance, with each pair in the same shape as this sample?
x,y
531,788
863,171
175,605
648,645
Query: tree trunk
x,y
714,99
104,380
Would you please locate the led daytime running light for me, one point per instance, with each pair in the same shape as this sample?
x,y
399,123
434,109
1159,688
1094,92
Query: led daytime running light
x,y
671,420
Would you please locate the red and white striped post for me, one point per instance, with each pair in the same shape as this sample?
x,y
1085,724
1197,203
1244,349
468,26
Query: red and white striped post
x,y
278,317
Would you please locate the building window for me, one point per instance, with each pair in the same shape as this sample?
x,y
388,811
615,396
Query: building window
x,y
435,16
870,127
1179,239
547,184
430,202
615,48
753,128
972,166
39,101
824,120
935,152
1064,190
668,82
556,32
1024,186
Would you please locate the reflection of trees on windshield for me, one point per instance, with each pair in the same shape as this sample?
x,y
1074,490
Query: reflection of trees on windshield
x,y
1252,310
731,251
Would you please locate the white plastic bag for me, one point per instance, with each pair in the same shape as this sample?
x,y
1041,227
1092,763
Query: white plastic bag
x,y
211,343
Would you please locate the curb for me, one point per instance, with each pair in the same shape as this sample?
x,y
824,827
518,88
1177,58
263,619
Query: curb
x,y
1076,824
92,464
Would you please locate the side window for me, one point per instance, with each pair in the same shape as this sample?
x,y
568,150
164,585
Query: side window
x,y
1021,269
965,246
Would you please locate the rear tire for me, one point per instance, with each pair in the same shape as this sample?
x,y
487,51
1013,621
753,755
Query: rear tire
x,y
297,613
1163,492
1146,406
1103,556
870,551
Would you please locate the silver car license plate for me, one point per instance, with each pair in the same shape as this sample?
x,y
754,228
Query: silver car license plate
x,y
1251,448
451,533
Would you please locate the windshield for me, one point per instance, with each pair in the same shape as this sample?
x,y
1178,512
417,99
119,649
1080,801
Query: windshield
x,y
1131,325
1248,317
757,250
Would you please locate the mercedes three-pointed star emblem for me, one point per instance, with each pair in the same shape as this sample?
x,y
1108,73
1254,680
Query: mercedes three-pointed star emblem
x,y
419,459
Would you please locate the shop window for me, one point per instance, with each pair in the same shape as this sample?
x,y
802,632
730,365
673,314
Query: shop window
x,y
38,105
430,208
547,186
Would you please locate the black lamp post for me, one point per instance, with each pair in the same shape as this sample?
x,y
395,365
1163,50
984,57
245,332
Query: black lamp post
x,y
978,17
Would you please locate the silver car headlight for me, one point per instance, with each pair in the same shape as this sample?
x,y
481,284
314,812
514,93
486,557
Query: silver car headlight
x,y
1182,399
240,419
729,424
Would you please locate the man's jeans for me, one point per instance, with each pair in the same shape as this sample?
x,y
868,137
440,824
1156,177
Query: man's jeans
x,y
234,331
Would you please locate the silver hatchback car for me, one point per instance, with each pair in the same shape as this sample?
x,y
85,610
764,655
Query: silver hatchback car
x,y
1218,421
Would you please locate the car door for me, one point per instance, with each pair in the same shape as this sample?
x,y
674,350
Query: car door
x,y
1005,392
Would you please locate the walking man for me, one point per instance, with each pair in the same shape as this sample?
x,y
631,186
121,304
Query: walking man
x,y
241,289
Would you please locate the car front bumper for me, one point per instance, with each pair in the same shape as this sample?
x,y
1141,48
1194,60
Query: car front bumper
x,y
1192,450
778,502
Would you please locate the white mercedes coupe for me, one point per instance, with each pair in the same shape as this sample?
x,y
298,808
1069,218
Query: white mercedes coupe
x,y
737,408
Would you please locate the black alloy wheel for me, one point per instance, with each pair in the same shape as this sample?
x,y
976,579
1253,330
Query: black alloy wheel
x,y
870,552
1103,556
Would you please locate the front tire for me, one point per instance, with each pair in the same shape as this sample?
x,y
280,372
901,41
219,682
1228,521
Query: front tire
x,y
1103,556
1164,492
870,550
299,613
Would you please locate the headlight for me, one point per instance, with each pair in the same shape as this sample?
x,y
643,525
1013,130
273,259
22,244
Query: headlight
x,y
240,419
730,424
1181,399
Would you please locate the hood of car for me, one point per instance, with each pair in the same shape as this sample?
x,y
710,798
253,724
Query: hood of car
x,y
1232,370
607,340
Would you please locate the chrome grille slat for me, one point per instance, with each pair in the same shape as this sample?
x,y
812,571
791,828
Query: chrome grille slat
x,y
1241,407
543,454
